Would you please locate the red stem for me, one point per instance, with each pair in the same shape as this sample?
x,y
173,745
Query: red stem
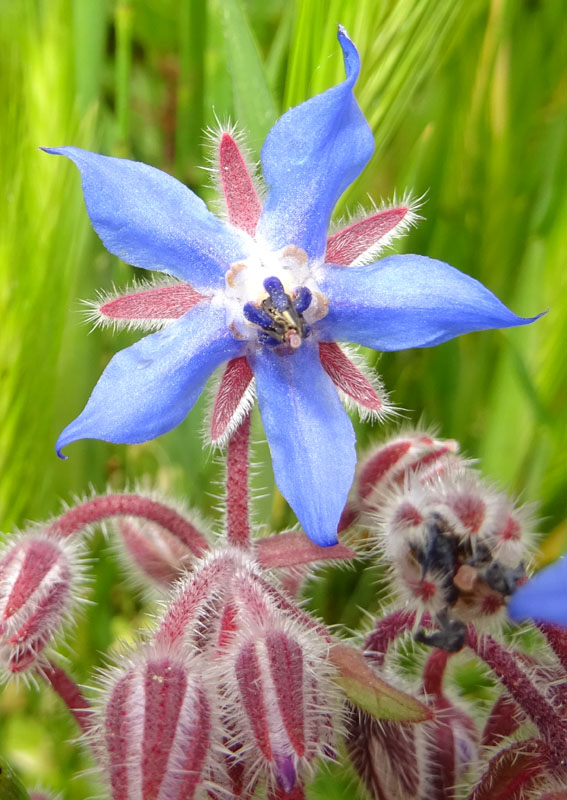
x,y
504,720
386,632
557,638
434,672
237,517
511,771
510,672
130,505
70,693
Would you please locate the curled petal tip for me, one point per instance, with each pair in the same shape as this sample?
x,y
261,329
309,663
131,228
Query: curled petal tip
x,y
350,54
61,443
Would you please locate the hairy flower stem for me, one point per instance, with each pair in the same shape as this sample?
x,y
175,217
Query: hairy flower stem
x,y
504,720
129,505
512,771
237,517
386,632
503,663
434,672
70,693
557,639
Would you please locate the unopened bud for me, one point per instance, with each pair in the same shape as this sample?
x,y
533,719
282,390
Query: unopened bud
x,y
154,552
38,573
389,465
155,732
457,550
281,684
387,755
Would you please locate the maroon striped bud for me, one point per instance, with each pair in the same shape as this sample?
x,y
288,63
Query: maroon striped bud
x,y
153,552
38,573
280,700
388,465
155,730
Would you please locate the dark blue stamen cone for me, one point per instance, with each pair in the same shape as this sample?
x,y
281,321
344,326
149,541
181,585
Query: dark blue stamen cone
x,y
303,299
257,316
277,294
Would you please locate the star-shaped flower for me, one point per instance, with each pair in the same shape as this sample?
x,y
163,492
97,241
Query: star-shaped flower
x,y
269,293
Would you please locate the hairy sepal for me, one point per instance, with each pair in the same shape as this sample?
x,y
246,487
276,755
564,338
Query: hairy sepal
x,y
147,306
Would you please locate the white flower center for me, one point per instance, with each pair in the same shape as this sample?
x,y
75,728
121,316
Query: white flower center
x,y
273,299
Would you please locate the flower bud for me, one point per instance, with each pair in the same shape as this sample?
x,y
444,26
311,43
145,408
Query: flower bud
x,y
155,731
280,701
38,573
456,548
153,552
387,755
387,466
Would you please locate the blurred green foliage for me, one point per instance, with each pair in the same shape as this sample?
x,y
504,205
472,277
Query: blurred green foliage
x,y
468,103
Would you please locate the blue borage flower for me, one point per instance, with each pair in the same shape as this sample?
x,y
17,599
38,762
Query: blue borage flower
x,y
269,293
544,597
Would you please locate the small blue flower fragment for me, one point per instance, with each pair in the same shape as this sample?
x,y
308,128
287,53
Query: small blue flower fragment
x,y
269,292
544,597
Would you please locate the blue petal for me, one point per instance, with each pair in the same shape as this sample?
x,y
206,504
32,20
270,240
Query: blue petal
x,y
543,597
407,301
310,436
310,157
150,220
149,388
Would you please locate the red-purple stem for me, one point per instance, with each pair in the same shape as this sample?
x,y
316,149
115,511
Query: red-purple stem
x,y
129,505
557,639
510,672
504,720
387,630
434,672
237,517
70,693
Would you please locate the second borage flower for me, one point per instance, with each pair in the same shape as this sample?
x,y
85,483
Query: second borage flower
x,y
269,293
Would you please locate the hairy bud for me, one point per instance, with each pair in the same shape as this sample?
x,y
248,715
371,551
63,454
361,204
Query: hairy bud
x,y
280,699
457,550
38,573
387,466
155,728
155,554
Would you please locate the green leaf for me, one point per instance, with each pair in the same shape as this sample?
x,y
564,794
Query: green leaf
x,y
255,107
11,788
368,691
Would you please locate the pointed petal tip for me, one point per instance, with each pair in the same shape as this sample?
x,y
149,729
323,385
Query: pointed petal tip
x,y
323,538
53,151
58,450
350,54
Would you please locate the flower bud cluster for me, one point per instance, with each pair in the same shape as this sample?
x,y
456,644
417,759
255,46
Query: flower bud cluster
x,y
388,465
232,693
40,575
456,547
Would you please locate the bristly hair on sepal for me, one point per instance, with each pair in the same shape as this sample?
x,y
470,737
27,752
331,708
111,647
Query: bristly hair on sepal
x,y
408,206
146,305
227,405
42,586
213,137
354,395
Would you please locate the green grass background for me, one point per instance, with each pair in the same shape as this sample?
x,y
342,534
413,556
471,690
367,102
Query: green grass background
x,y
467,100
